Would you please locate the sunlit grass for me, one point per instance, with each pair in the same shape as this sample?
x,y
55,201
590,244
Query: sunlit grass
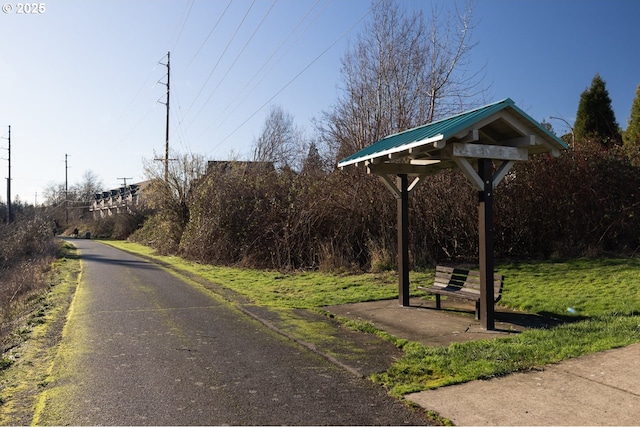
x,y
588,287
425,367
286,290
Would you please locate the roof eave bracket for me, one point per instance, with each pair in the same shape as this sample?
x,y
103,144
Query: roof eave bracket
x,y
392,186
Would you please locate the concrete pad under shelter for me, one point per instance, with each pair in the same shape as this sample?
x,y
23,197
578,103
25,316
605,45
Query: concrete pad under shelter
x,y
423,323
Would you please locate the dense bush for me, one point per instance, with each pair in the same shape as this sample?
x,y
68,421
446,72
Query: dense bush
x,y
284,219
25,239
160,233
119,226
583,203
26,253
580,204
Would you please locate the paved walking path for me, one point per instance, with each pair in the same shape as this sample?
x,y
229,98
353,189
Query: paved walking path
x,y
598,389
144,347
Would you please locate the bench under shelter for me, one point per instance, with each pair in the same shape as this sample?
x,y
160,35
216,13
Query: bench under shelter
x,y
483,143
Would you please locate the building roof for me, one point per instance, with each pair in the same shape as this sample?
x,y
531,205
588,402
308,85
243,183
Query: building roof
x,y
501,124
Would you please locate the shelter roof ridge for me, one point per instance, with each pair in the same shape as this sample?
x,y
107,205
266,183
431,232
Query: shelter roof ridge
x,y
447,128
450,118
428,131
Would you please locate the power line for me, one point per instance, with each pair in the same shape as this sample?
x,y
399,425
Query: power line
x,y
239,103
184,21
294,78
142,87
136,125
221,56
209,35
133,102
236,58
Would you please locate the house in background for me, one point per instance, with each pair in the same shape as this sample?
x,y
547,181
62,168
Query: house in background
x,y
118,200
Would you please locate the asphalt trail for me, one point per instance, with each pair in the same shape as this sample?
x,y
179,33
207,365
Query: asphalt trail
x,y
143,347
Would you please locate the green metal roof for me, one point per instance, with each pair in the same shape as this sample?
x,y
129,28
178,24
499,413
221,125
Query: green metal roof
x,y
446,128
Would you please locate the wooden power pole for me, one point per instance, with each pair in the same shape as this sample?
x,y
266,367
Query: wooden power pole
x,y
66,190
9,209
166,145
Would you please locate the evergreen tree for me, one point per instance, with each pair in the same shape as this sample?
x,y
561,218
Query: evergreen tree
x,y
631,136
313,163
595,120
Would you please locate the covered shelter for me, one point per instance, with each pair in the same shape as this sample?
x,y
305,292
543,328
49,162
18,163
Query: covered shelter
x,y
484,144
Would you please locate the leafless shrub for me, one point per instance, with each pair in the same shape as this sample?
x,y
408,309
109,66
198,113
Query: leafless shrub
x,y
582,203
26,255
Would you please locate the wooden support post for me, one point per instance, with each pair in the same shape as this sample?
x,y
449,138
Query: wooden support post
x,y
485,216
403,240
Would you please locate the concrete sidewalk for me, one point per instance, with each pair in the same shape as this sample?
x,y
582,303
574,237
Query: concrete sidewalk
x,y
595,390
598,389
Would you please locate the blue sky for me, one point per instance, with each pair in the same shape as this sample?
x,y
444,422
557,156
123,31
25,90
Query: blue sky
x,y
82,77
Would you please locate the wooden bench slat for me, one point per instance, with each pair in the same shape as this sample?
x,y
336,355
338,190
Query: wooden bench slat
x,y
461,283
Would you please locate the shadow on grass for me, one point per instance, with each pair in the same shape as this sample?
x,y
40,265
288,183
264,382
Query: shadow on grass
x,y
542,320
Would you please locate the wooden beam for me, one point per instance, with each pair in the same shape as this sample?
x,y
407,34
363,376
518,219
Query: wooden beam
x,y
398,154
494,152
502,171
440,144
391,186
471,135
424,162
419,150
400,168
413,184
523,141
486,137
504,115
469,172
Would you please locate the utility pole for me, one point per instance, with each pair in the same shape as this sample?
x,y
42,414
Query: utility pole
x,y
166,147
66,190
124,184
124,195
9,210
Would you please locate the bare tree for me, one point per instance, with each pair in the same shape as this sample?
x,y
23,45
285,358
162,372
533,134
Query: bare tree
x,y
54,194
74,203
84,191
402,72
280,141
452,85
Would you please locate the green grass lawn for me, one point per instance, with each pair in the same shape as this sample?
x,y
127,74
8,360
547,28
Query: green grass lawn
x,y
602,296
589,287
294,290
